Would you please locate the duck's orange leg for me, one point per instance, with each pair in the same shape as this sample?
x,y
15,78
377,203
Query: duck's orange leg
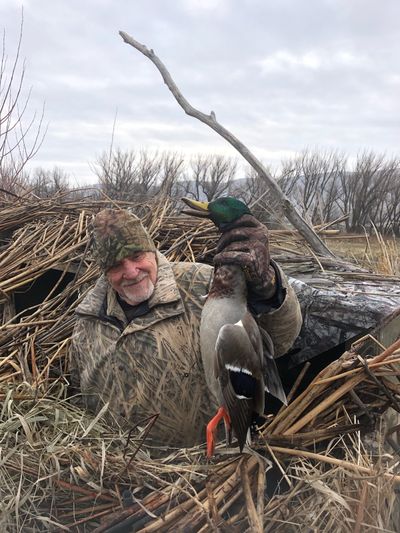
x,y
222,413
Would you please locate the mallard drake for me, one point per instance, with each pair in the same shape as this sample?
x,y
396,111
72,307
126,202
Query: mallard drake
x,y
237,355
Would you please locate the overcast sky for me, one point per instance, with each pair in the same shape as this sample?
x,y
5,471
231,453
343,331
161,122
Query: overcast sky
x,y
282,75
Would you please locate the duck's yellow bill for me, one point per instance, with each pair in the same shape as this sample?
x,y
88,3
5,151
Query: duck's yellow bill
x,y
198,209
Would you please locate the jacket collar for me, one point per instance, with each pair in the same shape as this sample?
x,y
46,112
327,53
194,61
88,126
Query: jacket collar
x,y
166,290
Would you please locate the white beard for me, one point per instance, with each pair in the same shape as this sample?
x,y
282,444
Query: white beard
x,y
137,293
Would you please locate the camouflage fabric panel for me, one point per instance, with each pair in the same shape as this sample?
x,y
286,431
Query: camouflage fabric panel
x,y
91,355
172,384
332,317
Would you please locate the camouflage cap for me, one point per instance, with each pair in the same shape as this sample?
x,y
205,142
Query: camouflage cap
x,y
118,234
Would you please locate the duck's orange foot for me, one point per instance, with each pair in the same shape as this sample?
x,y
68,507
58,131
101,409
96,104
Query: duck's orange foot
x,y
212,426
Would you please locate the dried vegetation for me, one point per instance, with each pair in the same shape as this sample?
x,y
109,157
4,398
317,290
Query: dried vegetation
x,y
62,469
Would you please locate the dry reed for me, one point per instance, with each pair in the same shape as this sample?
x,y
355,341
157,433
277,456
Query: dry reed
x,y
60,469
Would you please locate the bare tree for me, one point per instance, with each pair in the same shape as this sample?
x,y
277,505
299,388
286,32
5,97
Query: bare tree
x,y
256,194
128,175
11,184
20,136
391,224
312,182
192,185
211,176
171,172
47,183
117,174
367,191
138,175
149,168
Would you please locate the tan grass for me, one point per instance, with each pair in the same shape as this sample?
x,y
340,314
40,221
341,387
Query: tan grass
x,y
53,475
377,253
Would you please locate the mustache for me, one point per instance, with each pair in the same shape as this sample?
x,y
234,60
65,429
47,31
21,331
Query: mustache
x,y
130,283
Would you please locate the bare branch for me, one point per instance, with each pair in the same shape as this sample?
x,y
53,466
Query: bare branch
x,y
290,211
19,139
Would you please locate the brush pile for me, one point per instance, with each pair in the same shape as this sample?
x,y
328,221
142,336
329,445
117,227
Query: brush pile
x,y
62,469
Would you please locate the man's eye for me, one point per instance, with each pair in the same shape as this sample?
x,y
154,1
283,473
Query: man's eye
x,y
114,268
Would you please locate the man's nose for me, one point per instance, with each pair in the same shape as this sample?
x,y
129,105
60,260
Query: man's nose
x,y
131,270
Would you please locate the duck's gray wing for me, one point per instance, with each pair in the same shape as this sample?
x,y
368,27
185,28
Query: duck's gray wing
x,y
235,354
273,383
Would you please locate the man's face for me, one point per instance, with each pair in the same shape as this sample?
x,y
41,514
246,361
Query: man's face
x,y
134,277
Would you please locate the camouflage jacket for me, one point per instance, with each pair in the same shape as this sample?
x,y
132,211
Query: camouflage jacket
x,y
153,364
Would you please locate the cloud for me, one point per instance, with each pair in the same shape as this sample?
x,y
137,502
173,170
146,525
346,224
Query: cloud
x,y
280,75
283,60
197,6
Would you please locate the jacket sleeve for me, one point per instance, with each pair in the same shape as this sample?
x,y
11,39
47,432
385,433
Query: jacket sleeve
x,y
283,322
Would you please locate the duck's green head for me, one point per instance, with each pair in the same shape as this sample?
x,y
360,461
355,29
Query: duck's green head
x,y
221,211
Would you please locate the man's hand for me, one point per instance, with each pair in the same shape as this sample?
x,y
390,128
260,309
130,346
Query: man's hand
x,y
245,243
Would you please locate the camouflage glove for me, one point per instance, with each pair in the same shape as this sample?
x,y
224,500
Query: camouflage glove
x,y
245,243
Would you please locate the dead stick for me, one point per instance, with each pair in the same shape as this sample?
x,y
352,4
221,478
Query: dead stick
x,y
361,405
172,516
87,518
261,491
90,510
212,505
381,385
289,397
355,371
221,492
153,502
81,490
389,351
251,510
299,379
308,417
336,462
361,508
288,208
299,404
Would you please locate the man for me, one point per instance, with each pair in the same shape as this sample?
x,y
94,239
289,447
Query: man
x,y
136,339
